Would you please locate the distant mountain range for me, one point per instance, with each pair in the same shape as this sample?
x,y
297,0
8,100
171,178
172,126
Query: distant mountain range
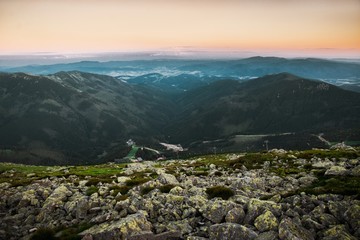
x,y
180,74
78,117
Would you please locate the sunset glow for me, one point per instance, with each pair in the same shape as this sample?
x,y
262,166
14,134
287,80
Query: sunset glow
x,y
128,25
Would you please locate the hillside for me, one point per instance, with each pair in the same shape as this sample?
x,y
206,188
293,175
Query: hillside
x,y
274,195
271,104
75,117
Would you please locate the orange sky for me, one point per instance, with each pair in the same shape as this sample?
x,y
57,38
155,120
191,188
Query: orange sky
x,y
130,25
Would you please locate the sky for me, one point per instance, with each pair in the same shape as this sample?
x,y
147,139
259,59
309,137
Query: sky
x,y
74,26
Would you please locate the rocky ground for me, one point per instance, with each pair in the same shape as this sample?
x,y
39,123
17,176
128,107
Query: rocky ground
x,y
275,195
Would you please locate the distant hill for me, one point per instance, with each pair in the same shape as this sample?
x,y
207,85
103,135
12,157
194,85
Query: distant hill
x,y
271,104
76,117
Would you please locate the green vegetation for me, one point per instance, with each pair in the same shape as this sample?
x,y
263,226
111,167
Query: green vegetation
x,y
136,181
308,154
21,175
61,233
252,160
283,171
132,153
44,234
122,197
220,191
200,173
95,181
166,188
345,185
71,233
91,190
146,190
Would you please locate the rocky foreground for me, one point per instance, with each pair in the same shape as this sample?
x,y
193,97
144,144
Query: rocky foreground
x,y
275,195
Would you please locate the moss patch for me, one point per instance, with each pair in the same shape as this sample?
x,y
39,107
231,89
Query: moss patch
x,y
220,191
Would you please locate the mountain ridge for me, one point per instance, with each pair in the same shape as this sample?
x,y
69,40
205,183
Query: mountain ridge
x,y
84,115
205,71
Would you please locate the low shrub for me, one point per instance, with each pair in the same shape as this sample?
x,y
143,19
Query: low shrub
x,y
220,191
44,234
146,190
95,181
166,188
136,181
91,190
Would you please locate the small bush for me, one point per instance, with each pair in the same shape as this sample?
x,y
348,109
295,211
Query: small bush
x,y
146,190
122,197
44,234
166,188
154,175
119,189
136,181
200,173
220,191
95,181
91,190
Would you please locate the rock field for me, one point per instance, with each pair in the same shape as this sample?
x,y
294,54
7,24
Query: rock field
x,y
275,195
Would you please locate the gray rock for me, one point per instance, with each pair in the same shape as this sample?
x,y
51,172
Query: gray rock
x,y
266,222
231,231
196,238
323,164
57,197
307,180
28,198
289,230
352,216
256,207
276,198
182,226
337,209
326,220
82,208
338,232
342,146
121,229
177,190
356,171
271,235
166,178
121,180
336,171
235,215
146,235
275,181
216,210
311,224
